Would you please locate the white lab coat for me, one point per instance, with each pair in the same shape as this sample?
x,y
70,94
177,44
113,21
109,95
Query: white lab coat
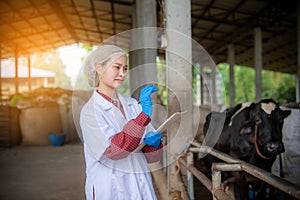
x,y
106,179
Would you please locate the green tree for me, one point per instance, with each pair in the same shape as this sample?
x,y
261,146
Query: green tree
x,y
279,86
81,82
275,85
51,61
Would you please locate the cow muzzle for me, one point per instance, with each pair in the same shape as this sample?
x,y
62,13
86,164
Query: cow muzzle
x,y
275,148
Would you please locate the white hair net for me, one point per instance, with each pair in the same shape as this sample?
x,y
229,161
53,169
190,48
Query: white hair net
x,y
100,56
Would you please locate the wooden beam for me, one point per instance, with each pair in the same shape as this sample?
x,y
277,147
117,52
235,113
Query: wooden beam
x,y
60,13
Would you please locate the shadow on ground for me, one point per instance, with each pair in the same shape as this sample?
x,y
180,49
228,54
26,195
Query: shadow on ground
x,y
42,172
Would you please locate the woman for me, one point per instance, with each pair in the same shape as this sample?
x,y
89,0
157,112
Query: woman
x,y
113,125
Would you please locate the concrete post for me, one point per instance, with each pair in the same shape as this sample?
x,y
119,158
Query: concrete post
x,y
298,56
29,73
216,182
201,85
190,177
179,78
214,85
141,55
16,73
198,86
198,89
258,62
0,69
231,61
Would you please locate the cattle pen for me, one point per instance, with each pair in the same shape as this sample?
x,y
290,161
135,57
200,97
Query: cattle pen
x,y
230,164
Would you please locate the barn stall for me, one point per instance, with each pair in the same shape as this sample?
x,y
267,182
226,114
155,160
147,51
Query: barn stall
x,y
172,15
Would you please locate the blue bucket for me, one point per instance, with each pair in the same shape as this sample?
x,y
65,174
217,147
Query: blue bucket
x,y
57,139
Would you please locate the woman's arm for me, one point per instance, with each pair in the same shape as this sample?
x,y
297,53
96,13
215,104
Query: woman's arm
x,y
125,142
153,154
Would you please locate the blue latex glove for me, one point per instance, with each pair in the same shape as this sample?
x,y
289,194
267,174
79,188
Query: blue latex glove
x,y
145,99
153,139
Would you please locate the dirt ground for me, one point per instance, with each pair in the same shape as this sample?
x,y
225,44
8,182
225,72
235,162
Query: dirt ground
x,y
50,173
42,173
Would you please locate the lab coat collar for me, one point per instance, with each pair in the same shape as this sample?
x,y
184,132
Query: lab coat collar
x,y
108,105
127,103
124,100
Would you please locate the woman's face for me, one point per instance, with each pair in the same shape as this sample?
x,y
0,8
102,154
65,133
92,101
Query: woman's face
x,y
114,73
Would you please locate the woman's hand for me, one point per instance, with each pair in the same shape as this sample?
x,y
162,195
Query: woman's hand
x,y
145,99
153,139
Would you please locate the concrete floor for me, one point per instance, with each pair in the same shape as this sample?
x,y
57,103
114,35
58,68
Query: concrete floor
x,y
55,173
42,173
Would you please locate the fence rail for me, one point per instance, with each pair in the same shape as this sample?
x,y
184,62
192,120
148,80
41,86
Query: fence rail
x,y
233,164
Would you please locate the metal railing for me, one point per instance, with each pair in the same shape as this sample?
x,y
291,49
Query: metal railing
x,y
231,164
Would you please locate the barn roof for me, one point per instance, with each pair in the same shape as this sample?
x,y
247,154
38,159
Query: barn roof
x,y
33,26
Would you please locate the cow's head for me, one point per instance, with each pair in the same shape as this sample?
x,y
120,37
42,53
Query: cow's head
x,y
258,127
264,124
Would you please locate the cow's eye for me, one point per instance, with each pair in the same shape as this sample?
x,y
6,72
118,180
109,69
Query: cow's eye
x,y
257,120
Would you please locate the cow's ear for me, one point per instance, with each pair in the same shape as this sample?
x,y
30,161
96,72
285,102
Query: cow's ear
x,y
285,113
253,107
250,113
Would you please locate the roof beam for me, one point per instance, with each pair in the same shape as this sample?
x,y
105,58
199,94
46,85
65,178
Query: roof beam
x,y
243,31
43,16
60,13
79,16
18,32
96,18
206,9
225,17
113,15
118,2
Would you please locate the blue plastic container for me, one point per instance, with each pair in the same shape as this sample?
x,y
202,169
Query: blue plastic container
x,y
57,139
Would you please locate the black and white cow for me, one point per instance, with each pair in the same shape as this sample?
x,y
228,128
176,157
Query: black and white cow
x,y
252,132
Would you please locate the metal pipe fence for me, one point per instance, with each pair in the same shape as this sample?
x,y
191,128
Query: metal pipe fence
x,y
232,164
